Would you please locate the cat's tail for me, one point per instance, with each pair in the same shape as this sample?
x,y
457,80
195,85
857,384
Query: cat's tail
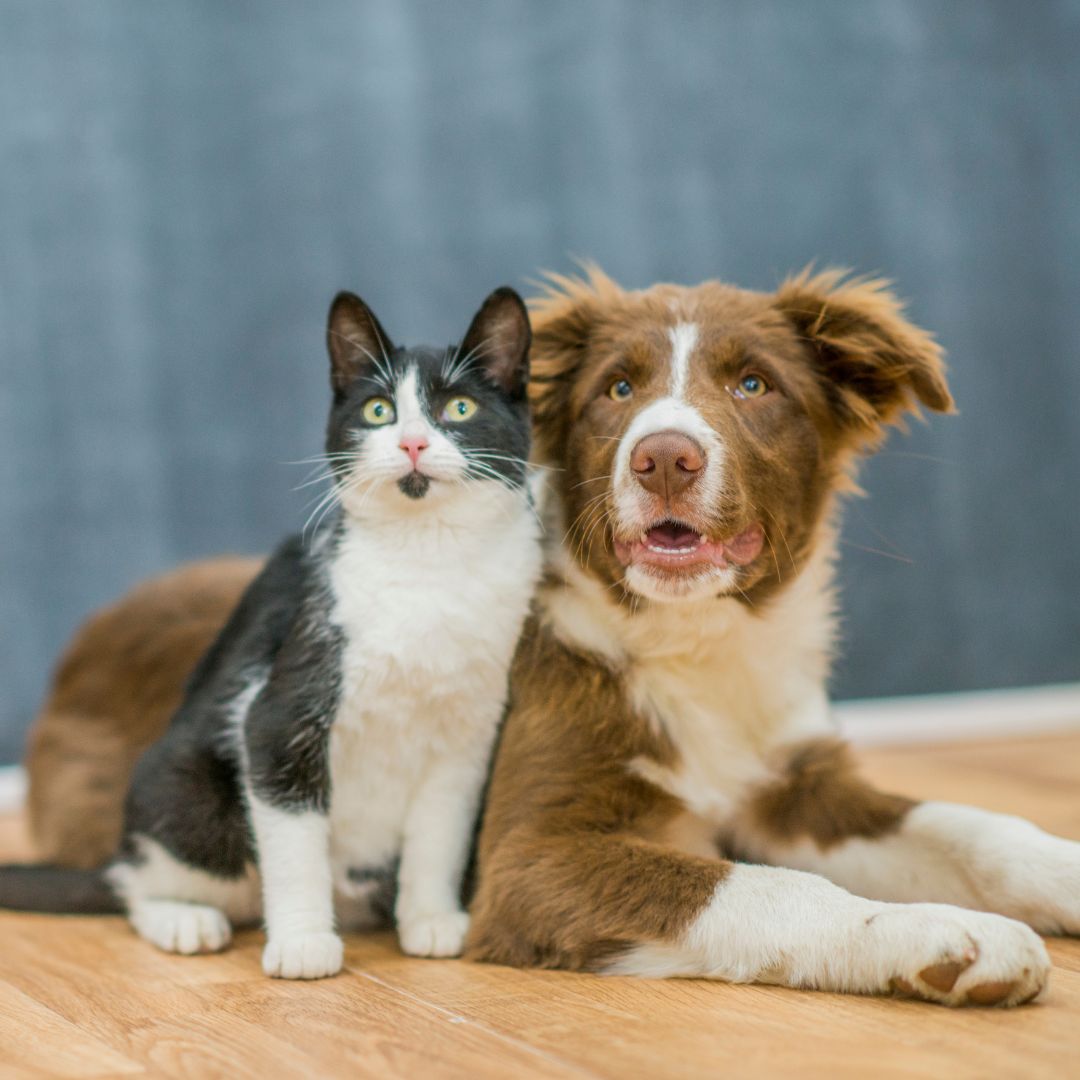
x,y
58,890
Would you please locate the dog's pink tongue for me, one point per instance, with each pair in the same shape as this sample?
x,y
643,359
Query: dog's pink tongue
x,y
672,535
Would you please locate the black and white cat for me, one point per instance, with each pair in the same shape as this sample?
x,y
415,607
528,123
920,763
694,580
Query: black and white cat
x,y
327,764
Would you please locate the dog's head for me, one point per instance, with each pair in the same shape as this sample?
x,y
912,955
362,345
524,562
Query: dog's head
x,y
699,432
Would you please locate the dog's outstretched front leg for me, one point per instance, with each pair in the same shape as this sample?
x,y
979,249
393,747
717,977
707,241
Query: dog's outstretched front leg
x,y
623,905
822,817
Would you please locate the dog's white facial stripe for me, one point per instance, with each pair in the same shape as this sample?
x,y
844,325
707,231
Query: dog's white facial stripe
x,y
634,509
684,338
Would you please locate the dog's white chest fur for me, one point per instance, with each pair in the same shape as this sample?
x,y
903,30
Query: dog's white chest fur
x,y
430,614
726,683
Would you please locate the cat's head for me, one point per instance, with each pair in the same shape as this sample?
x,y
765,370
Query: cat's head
x,y
420,426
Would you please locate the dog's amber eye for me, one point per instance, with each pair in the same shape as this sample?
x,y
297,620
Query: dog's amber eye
x,y
751,386
620,390
378,411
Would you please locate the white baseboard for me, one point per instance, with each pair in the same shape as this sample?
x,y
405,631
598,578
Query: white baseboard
x,y
12,788
930,718
983,714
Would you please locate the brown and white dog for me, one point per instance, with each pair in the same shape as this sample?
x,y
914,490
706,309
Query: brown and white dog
x,y
669,713
669,797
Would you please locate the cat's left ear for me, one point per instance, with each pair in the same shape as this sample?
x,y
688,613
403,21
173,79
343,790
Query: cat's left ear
x,y
499,338
356,341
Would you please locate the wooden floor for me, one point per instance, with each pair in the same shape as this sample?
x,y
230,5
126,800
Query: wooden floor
x,y
85,998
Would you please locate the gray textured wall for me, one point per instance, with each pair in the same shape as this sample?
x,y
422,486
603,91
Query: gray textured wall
x,y
183,186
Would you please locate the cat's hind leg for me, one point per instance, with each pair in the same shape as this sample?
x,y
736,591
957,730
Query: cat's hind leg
x,y
180,926
182,908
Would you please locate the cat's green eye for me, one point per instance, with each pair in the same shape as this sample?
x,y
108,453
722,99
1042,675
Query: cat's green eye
x,y
458,409
378,411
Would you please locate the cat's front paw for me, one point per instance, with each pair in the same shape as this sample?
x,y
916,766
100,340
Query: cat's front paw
x,y
303,956
439,934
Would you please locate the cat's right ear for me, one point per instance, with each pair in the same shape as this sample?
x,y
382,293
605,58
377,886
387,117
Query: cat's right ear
x,y
356,341
497,341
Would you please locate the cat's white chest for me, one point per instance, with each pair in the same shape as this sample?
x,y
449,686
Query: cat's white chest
x,y
429,620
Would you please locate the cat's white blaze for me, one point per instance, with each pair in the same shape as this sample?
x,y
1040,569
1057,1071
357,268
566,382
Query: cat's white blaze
x,y
424,684
407,403
381,459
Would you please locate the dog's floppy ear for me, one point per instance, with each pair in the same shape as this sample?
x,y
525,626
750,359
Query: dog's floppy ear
x,y
877,364
564,317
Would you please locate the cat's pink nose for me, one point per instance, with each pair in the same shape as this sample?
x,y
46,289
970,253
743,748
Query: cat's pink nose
x,y
413,445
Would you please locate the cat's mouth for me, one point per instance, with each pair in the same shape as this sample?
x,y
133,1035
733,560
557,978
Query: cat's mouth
x,y
414,484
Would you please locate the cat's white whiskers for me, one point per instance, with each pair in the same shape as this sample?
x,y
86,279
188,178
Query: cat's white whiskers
x,y
320,479
327,501
461,367
449,358
320,459
383,368
493,455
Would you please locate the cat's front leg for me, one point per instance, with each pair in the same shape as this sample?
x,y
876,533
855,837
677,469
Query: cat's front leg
x,y
294,860
288,794
438,833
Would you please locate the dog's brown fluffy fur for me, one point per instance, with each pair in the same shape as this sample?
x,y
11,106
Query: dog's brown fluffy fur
x,y
115,688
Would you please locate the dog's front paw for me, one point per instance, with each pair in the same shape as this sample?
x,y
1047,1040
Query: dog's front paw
x,y
438,934
957,957
303,956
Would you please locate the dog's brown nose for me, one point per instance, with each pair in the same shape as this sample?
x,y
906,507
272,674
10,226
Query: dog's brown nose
x,y
667,463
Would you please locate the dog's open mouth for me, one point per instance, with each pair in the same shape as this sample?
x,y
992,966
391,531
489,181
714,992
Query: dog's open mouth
x,y
673,545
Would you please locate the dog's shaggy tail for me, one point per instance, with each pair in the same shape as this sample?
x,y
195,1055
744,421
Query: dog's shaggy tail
x,y
58,890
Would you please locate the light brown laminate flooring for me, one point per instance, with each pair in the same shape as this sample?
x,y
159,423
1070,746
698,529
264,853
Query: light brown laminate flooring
x,y
83,997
